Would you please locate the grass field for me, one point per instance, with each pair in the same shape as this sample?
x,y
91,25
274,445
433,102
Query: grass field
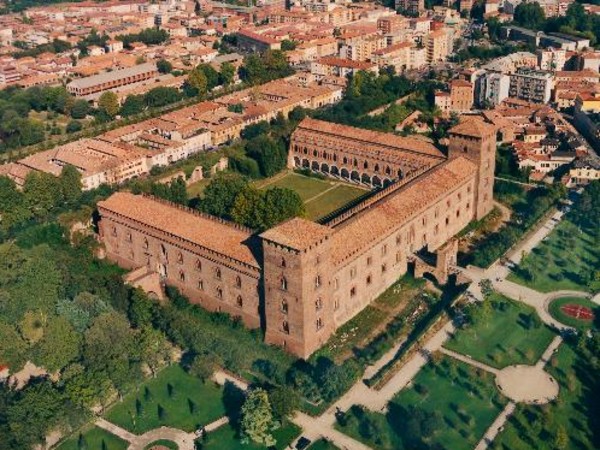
x,y
558,261
556,312
197,189
320,197
188,404
449,404
225,438
94,438
504,338
535,427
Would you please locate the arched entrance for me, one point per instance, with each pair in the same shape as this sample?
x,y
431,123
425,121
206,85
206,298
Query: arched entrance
x,y
345,174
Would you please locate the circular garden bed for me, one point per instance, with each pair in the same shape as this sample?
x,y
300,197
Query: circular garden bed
x,y
575,312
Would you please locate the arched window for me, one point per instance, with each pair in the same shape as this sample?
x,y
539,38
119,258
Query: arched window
x,y
163,251
218,273
201,285
238,282
145,243
198,265
315,153
219,293
182,276
284,306
239,301
285,326
180,258
284,284
345,160
129,237
114,231
283,262
365,165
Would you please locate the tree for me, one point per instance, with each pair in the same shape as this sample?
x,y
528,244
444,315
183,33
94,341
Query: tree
x,y
42,193
220,194
109,103
257,418
287,45
70,184
530,15
203,366
284,401
561,440
161,96
227,73
164,66
133,104
73,126
59,345
155,348
270,155
80,109
197,81
13,349
247,208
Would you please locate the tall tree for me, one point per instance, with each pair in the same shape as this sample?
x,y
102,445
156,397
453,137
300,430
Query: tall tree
x,y
109,103
257,418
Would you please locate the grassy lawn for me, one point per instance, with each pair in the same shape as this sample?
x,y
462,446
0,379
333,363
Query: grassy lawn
x,y
322,444
320,196
197,189
163,443
535,427
449,404
191,403
558,314
95,439
511,334
225,438
558,261
400,292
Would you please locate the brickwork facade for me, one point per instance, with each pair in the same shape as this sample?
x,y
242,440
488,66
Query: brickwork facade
x,y
302,280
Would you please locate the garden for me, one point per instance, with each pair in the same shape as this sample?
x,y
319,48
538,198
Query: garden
x,y
576,312
227,438
93,438
501,332
449,405
173,399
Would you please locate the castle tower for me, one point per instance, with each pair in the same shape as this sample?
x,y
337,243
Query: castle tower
x,y
476,140
296,272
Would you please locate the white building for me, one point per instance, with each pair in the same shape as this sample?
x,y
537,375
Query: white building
x,y
491,88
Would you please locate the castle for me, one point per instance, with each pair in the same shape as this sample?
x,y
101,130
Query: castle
x,y
301,280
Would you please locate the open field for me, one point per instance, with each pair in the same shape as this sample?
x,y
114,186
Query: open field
x,y
93,438
557,263
320,197
173,399
225,438
575,411
511,333
449,404
556,310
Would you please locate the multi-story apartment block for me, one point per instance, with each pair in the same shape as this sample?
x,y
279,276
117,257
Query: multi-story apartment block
x,y
531,85
411,6
491,88
437,46
551,59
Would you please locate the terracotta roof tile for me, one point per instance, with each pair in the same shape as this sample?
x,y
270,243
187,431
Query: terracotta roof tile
x,y
297,233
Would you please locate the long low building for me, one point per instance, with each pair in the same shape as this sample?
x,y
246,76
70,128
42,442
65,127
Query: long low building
x,y
110,80
301,280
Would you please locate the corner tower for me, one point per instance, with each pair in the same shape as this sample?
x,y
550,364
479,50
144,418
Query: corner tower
x,y
296,273
476,140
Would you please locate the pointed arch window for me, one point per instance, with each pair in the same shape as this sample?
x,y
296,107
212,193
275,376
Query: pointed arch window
x,y
238,281
239,301
284,284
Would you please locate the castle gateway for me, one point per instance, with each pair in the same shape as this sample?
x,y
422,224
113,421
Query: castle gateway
x,y
301,280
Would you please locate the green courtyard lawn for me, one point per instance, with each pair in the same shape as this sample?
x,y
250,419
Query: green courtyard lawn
x,y
558,262
93,438
226,438
450,404
574,411
197,189
503,333
556,312
320,197
173,399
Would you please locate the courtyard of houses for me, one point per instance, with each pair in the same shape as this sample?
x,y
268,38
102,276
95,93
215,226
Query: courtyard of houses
x,y
463,387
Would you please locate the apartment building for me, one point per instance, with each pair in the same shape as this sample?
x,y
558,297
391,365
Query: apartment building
x,y
491,88
531,85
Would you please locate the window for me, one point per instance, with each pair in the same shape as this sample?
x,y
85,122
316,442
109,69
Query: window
x,y
239,301
336,304
384,250
352,291
164,252
398,239
201,285
284,284
369,279
181,276
218,273
285,326
145,243
317,281
198,265
238,282
352,272
447,220
458,213
114,231
220,293
468,206
383,268
398,257
319,323
436,230
369,260
284,306
282,262
319,304
129,237
336,283
180,258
